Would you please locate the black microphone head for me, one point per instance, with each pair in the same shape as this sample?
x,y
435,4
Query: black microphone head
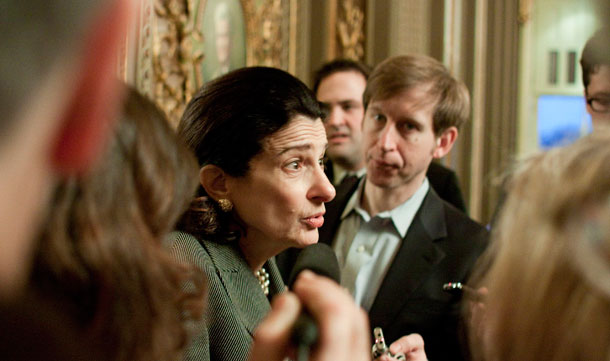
x,y
318,258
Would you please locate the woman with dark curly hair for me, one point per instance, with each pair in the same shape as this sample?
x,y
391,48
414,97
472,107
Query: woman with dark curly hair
x,y
260,142
101,256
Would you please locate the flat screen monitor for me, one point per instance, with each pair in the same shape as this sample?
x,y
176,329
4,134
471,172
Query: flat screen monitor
x,y
561,120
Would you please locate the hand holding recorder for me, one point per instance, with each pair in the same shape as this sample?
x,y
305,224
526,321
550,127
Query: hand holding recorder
x,y
343,326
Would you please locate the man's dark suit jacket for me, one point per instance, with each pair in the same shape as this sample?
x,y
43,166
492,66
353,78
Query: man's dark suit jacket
x,y
441,245
442,179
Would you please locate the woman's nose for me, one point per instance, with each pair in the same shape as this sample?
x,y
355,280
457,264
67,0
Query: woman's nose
x,y
322,190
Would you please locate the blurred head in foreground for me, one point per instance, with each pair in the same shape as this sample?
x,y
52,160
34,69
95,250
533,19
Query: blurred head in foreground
x,y
548,269
101,250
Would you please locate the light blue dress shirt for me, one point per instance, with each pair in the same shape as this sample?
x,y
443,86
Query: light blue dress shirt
x,y
366,246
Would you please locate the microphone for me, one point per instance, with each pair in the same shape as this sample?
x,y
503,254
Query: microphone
x,y
320,259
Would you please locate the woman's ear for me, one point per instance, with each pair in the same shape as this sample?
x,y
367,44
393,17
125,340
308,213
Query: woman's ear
x,y
214,180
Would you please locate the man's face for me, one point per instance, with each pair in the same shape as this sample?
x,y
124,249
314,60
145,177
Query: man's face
x,y
399,139
599,91
341,93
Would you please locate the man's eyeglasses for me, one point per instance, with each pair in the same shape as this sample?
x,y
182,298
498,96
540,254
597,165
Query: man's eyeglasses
x,y
599,105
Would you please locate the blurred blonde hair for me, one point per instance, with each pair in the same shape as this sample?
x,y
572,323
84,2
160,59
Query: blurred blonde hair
x,y
548,267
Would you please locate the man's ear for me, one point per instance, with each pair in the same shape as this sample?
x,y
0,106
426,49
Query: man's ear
x,y
214,180
444,142
93,106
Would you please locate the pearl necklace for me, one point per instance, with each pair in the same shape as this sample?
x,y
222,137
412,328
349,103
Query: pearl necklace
x,y
263,280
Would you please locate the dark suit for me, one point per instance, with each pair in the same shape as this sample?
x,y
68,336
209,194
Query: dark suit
x,y
442,179
236,303
441,245
445,183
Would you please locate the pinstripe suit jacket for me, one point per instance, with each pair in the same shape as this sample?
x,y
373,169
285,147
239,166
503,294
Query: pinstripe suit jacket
x,y
236,303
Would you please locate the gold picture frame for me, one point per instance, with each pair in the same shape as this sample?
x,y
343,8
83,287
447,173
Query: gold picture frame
x,y
178,44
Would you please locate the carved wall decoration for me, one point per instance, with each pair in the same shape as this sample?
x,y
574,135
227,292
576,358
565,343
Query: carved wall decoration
x,y
350,30
170,72
191,56
144,76
264,24
173,45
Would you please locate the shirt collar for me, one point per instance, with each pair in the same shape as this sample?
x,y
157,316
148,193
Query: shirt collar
x,y
354,200
339,173
401,216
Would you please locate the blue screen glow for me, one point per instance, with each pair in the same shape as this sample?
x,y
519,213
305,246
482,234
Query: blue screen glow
x,y
561,120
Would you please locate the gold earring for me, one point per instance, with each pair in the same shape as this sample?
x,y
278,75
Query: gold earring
x,y
225,205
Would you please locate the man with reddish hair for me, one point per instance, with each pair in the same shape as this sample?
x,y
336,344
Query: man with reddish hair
x,y
396,240
339,86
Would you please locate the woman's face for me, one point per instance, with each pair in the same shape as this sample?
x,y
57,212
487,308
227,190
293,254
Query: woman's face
x,y
281,198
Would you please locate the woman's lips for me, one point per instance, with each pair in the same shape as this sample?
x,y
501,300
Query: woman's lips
x,y
315,221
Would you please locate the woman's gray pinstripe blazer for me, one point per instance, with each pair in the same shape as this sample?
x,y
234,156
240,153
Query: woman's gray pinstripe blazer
x,y
236,303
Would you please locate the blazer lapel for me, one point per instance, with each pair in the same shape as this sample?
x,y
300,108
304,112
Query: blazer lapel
x,y
334,209
240,284
276,283
416,257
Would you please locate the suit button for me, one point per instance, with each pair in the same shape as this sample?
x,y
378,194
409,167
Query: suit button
x,y
360,249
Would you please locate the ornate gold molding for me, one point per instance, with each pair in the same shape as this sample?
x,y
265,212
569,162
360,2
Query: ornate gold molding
x,y
172,87
144,78
350,30
264,38
171,46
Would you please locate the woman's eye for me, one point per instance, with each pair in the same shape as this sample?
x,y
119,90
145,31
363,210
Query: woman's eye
x,y
321,163
294,165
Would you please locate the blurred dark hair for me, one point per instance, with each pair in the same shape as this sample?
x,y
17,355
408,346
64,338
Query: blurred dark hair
x,y
226,122
336,66
101,248
595,53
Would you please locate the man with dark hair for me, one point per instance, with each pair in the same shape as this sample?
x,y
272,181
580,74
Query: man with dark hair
x,y
339,86
396,240
595,63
